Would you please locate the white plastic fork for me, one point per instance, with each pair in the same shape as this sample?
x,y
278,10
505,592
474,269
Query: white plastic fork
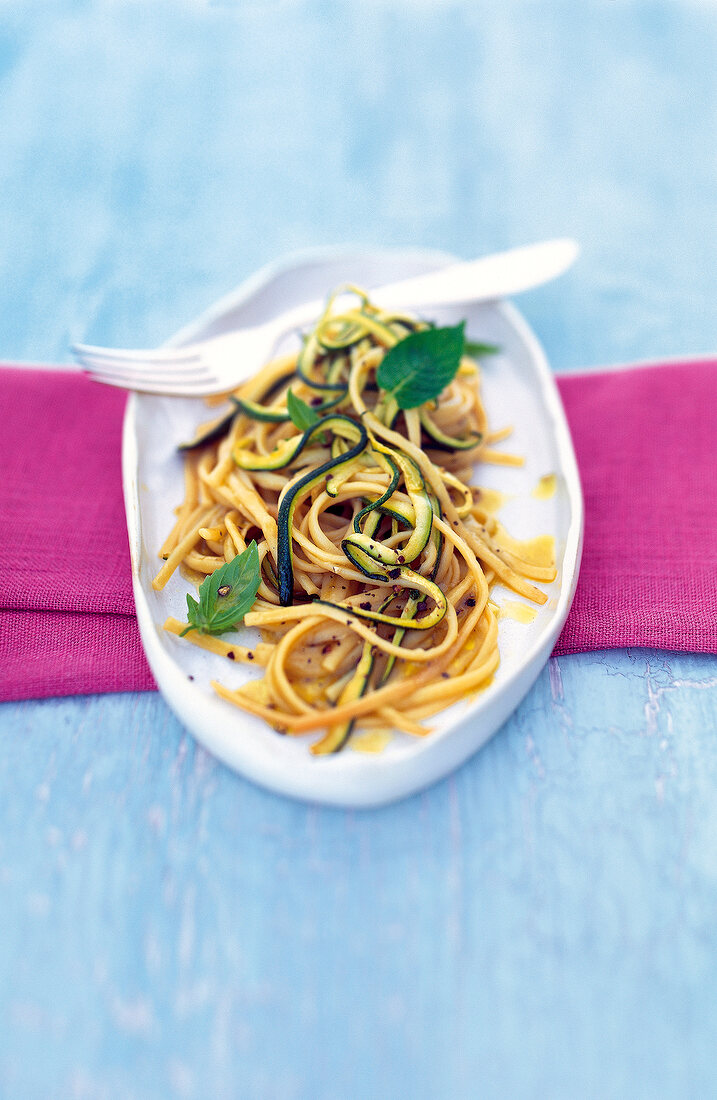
x,y
224,362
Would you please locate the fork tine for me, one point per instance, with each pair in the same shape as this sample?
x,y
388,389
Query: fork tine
x,y
138,356
137,368
164,386
168,371
180,375
135,374
166,377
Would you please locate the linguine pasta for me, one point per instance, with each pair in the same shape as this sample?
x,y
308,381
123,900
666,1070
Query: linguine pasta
x,y
377,553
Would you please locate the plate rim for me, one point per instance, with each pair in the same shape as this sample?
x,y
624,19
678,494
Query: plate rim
x,y
171,680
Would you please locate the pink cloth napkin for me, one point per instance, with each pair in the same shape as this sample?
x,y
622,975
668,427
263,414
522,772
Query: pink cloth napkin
x,y
645,441
67,622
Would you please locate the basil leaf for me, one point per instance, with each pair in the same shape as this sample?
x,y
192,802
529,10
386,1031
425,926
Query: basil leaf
x,y
420,366
302,414
476,350
226,595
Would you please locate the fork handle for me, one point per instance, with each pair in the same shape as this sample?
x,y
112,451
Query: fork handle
x,y
487,278
484,279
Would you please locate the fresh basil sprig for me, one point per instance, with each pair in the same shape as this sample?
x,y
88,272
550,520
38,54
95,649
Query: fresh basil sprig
x,y
226,595
420,366
301,414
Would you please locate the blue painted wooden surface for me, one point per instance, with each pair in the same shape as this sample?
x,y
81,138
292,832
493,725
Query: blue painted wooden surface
x,y
544,922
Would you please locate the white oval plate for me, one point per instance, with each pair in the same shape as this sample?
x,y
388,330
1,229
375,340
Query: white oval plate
x,y
518,389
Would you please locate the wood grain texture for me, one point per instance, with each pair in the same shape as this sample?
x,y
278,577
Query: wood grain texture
x,y
541,924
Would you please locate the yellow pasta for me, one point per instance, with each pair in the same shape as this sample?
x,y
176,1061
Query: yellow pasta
x,y
377,552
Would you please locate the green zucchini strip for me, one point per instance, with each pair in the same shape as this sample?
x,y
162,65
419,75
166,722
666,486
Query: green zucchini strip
x,y
336,333
261,387
375,570
211,432
436,536
340,425
338,735
447,442
288,449
376,504
409,612
333,484
284,453
276,414
421,521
